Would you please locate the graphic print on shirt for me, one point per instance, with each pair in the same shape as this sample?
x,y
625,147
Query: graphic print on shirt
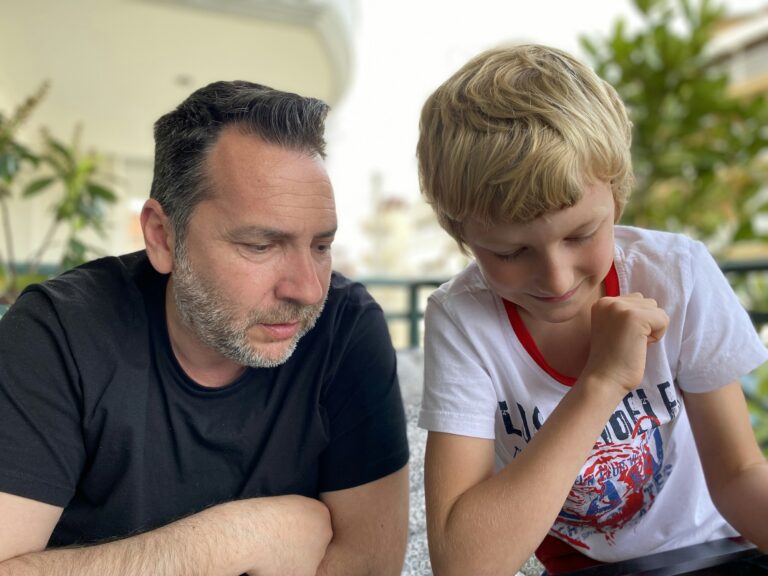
x,y
625,471
616,487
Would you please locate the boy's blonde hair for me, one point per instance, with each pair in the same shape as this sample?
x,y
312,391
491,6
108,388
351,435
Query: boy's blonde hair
x,y
518,132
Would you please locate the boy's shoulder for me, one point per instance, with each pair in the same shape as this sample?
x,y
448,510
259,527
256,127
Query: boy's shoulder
x,y
655,246
633,235
468,281
660,263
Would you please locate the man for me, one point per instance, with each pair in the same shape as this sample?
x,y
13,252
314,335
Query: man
x,y
220,403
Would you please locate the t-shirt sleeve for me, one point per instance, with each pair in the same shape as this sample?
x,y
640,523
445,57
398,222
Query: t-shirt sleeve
x,y
719,343
41,446
459,396
364,408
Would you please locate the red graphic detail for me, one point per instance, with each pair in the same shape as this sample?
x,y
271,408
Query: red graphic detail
x,y
617,484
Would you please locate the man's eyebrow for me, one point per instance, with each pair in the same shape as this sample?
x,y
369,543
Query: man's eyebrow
x,y
328,234
266,233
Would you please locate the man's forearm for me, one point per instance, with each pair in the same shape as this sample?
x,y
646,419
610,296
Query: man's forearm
x,y
261,535
199,544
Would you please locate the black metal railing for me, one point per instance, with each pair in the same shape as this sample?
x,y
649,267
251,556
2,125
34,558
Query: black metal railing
x,y
406,299
416,291
737,273
749,279
403,301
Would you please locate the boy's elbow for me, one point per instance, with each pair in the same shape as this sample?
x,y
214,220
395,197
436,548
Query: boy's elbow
x,y
446,560
450,560
475,568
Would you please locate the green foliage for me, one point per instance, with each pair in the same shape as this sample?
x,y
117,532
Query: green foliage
x,y
82,201
61,169
757,388
696,149
13,155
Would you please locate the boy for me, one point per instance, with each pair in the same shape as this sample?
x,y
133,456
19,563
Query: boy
x,y
571,370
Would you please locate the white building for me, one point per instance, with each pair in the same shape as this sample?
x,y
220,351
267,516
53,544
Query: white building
x,y
115,66
741,45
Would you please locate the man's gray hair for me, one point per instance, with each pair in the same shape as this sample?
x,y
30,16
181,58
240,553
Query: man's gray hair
x,y
184,137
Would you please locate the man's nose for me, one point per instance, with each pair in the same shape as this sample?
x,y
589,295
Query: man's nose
x,y
302,279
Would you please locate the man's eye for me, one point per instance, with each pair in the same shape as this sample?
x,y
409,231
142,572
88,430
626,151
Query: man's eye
x,y
257,248
323,248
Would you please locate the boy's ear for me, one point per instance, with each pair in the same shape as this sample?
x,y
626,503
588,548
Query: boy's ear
x,y
158,236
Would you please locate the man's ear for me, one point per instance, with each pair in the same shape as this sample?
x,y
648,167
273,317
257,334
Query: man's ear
x,y
158,236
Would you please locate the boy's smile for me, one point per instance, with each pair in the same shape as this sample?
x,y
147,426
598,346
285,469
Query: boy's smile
x,y
552,268
555,299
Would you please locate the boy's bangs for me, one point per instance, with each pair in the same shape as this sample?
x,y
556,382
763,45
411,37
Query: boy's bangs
x,y
546,182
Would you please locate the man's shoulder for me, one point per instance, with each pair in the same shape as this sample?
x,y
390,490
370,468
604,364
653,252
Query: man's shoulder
x,y
88,320
106,272
344,292
108,289
349,315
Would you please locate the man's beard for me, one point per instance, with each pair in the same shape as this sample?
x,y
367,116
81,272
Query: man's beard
x,y
206,312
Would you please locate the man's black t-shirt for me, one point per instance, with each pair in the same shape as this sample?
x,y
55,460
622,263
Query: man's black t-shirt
x,y
97,416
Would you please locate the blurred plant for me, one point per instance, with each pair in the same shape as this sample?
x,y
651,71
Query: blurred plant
x,y
83,200
696,149
62,168
756,385
13,157
698,152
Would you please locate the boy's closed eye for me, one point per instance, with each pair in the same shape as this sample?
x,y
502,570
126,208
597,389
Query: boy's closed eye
x,y
511,255
517,253
581,239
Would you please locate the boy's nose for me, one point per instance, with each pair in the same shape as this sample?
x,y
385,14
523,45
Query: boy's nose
x,y
557,276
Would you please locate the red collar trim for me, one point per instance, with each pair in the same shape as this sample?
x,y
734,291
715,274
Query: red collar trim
x,y
611,284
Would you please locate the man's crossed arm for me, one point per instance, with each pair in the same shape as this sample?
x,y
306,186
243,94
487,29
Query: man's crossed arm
x,y
361,530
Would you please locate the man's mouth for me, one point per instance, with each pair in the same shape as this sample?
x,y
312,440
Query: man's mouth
x,y
282,331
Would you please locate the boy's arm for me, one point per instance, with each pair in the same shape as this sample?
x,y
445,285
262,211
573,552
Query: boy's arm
x,y
370,528
735,468
268,536
479,523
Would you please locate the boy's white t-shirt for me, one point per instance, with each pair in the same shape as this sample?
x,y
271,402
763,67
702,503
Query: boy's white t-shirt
x,y
642,490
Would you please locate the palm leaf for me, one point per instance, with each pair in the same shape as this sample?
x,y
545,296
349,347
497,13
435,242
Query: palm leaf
x,y
37,186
